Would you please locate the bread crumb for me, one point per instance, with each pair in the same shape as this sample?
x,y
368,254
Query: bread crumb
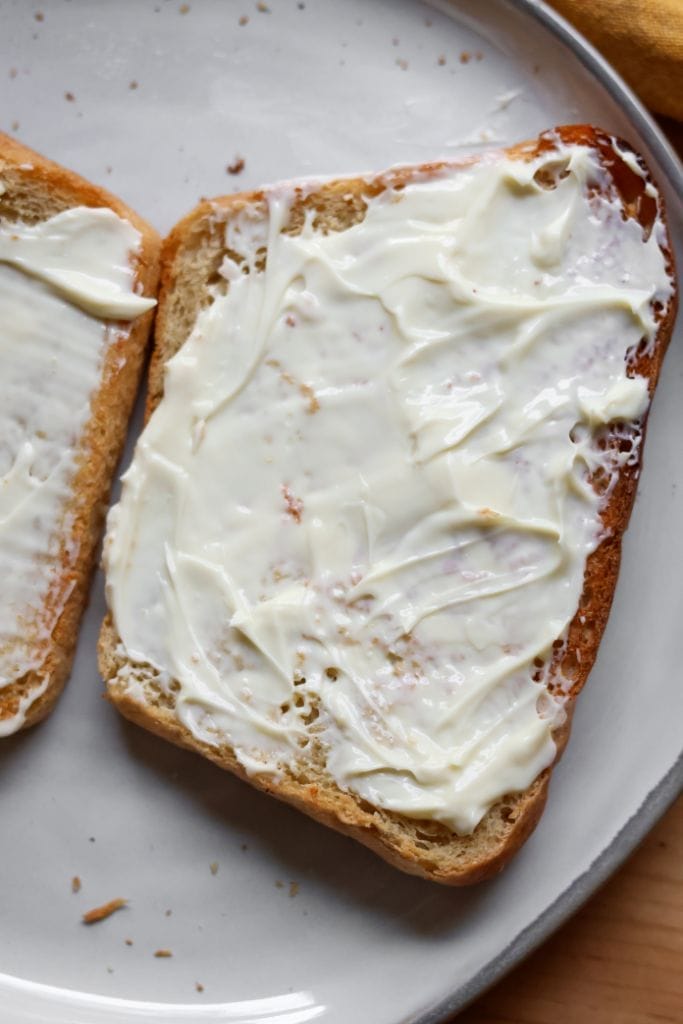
x,y
133,84
161,954
39,16
128,942
402,63
237,166
294,506
442,60
244,20
308,393
13,72
184,8
70,98
279,884
262,7
479,55
293,889
465,57
214,867
198,985
75,884
104,911
15,126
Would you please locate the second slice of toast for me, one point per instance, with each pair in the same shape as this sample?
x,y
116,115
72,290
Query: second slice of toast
x,y
72,340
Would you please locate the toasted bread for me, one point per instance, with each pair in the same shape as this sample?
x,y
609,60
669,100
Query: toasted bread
x,y
192,255
34,190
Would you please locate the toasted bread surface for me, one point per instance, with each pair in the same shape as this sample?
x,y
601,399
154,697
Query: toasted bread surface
x,y
191,257
36,189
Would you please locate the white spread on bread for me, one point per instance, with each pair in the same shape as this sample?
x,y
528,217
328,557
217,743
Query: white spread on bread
x,y
61,280
359,518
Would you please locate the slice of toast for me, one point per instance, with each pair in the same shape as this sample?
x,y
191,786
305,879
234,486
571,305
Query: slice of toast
x,y
192,264
37,659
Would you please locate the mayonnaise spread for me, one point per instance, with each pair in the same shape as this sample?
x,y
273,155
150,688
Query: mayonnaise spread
x,y
360,515
61,280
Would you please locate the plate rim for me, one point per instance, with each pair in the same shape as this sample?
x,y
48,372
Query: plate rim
x,y
662,796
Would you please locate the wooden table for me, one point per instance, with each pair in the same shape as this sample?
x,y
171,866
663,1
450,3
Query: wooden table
x,y
618,961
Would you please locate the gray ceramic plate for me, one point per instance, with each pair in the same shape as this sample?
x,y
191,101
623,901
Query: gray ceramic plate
x,y
299,924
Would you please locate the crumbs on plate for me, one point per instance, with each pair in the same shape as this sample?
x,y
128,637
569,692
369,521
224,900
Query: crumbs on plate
x,y
104,911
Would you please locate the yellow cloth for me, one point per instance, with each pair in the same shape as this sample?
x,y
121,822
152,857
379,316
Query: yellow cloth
x,y
643,39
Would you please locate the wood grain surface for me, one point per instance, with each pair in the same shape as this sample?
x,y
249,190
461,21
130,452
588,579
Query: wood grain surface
x,y
619,960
